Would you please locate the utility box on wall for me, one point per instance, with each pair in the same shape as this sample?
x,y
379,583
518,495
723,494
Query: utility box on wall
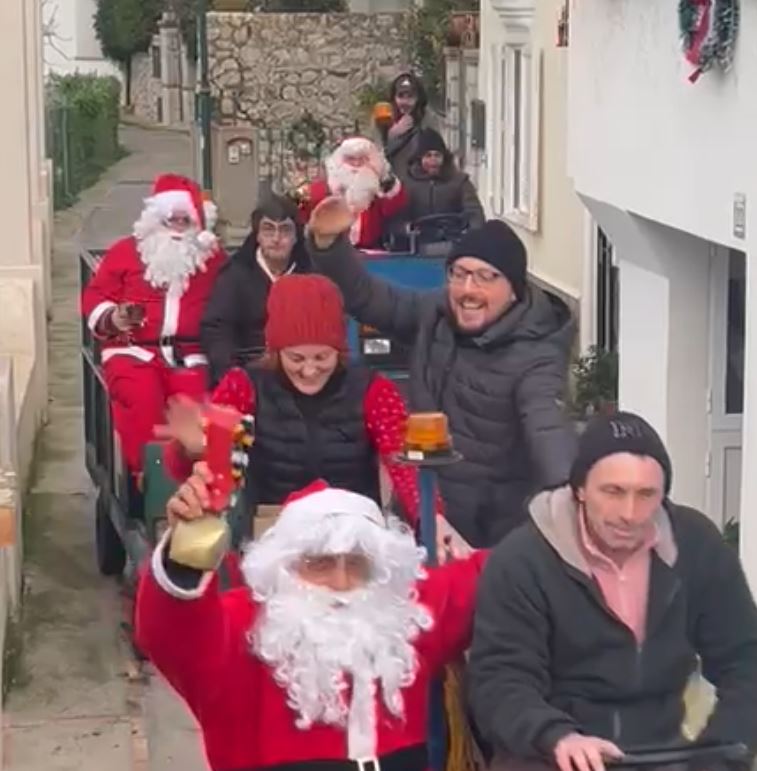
x,y
235,175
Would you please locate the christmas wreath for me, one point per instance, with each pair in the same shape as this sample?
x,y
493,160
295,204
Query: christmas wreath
x,y
708,31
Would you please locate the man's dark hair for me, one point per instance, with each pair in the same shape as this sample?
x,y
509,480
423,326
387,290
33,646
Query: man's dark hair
x,y
279,208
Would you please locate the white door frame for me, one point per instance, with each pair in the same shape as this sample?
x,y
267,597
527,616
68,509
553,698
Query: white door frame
x,y
725,430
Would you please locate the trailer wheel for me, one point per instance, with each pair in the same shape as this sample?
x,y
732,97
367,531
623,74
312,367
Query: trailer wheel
x,y
111,555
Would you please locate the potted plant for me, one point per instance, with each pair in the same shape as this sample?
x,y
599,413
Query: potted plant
x,y
731,533
595,384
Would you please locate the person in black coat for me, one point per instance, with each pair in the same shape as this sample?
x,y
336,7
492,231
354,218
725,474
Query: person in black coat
x,y
232,327
436,186
590,617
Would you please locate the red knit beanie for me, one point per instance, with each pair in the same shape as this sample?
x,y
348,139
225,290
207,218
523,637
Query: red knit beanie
x,y
305,309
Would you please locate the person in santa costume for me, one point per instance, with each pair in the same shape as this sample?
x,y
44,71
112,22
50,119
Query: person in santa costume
x,y
324,659
316,414
358,171
145,303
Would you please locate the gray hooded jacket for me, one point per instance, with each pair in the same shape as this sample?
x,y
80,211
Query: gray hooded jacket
x,y
501,390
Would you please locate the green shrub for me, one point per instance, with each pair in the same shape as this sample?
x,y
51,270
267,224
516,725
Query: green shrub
x,y
82,131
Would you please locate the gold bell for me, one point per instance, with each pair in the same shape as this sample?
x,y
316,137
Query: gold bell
x,y
200,543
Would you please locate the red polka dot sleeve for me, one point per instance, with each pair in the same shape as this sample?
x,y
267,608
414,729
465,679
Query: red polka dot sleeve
x,y
385,421
235,390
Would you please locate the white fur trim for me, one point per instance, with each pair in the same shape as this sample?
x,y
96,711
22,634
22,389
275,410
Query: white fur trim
x,y
356,229
207,240
172,201
171,307
393,191
331,501
195,360
98,312
135,351
165,583
211,214
357,146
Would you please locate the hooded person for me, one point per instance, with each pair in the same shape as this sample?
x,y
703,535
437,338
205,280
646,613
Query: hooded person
x,y
435,185
490,349
592,616
409,101
324,659
144,305
358,172
316,414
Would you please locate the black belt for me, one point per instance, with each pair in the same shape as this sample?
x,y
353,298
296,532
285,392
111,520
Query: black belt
x,y
408,759
168,341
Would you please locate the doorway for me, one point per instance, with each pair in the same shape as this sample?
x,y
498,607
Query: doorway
x,y
726,392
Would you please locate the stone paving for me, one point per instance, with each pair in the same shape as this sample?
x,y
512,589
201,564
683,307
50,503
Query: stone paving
x,y
77,699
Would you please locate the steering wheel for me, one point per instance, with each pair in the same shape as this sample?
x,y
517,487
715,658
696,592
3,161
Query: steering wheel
x,y
439,227
700,753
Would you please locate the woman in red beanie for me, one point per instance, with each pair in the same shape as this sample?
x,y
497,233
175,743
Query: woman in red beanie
x,y
316,416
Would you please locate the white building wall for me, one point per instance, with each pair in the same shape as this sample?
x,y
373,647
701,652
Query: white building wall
x,y
70,41
558,247
650,145
646,139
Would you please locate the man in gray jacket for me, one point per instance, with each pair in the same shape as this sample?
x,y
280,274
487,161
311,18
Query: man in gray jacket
x,y
490,350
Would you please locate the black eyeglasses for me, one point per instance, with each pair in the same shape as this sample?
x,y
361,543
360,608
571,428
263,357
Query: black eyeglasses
x,y
457,274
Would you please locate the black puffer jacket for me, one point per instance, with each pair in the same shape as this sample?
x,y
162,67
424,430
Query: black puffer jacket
x,y
451,192
549,658
501,390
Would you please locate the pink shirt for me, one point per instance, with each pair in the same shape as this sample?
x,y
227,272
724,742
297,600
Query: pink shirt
x,y
625,588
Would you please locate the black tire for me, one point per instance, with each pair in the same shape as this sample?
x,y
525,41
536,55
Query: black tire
x,y
111,555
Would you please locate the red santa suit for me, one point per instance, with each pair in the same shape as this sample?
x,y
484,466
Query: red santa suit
x,y
161,357
282,671
364,182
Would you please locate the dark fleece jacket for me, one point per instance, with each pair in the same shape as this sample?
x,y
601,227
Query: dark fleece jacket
x,y
550,658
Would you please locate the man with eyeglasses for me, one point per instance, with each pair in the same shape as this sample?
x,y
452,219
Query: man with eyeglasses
x,y
234,320
491,351
144,305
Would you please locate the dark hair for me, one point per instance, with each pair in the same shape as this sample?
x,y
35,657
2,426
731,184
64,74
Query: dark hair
x,y
419,110
279,208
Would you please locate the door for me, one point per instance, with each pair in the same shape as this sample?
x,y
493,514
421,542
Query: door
x,y
726,395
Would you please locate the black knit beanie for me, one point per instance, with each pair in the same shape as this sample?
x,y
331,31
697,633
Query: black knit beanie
x,y
496,243
430,140
622,432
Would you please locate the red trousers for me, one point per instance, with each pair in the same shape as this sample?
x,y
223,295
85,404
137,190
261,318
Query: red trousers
x,y
138,392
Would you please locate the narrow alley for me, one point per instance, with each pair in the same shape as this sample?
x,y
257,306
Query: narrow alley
x,y
77,699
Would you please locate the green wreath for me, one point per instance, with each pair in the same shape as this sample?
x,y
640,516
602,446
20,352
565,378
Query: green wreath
x,y
307,137
708,33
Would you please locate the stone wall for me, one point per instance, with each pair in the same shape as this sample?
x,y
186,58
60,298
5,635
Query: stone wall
x,y
146,89
267,69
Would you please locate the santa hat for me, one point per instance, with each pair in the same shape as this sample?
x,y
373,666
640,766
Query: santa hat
x,y
326,520
305,309
359,146
172,193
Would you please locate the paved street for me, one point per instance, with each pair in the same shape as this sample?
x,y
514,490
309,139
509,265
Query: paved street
x,y
78,700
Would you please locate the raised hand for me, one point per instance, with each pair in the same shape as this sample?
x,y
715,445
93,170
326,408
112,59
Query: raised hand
x,y
184,425
402,126
329,220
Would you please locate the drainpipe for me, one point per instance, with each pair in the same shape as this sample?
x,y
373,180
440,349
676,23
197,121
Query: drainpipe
x,y
203,95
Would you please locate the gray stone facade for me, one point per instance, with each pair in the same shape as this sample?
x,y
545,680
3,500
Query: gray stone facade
x,y
267,69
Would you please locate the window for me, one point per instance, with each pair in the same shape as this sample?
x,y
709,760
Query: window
x,y
155,55
607,294
521,127
515,96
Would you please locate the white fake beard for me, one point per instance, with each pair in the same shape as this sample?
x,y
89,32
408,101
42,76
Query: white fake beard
x,y
360,186
171,262
314,638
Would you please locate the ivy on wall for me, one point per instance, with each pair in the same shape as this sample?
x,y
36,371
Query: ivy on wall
x,y
428,32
